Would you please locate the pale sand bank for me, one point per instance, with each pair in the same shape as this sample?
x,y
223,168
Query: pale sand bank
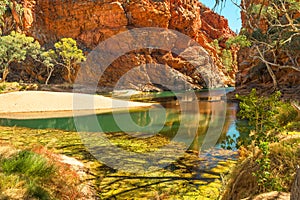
x,y
41,104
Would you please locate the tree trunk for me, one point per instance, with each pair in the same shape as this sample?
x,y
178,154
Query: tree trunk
x,y
275,84
295,192
69,75
269,68
49,76
5,73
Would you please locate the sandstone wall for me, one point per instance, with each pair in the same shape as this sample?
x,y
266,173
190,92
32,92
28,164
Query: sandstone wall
x,y
93,21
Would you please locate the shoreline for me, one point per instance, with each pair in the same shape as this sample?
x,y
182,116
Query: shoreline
x,y
43,104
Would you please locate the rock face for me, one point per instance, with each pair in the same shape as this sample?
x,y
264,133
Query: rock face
x,y
253,73
91,22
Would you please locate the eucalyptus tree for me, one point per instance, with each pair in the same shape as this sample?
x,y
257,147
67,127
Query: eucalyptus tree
x,y
273,28
16,47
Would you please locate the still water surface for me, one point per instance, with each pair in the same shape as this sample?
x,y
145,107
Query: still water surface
x,y
215,119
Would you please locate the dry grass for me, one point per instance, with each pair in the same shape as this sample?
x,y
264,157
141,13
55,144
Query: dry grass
x,y
21,182
284,155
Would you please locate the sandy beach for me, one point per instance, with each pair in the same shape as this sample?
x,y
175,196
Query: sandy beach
x,y
41,104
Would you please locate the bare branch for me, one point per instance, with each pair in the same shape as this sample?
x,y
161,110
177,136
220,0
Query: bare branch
x,y
275,84
290,67
291,37
277,65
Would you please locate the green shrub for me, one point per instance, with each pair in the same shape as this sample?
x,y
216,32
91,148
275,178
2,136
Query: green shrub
x,y
227,59
28,164
36,174
284,156
286,114
240,40
260,113
265,116
215,44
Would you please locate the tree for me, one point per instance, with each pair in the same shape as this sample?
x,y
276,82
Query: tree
x,y
273,29
15,48
68,52
47,58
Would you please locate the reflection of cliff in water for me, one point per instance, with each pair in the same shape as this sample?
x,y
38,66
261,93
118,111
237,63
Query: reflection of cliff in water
x,y
181,114
220,118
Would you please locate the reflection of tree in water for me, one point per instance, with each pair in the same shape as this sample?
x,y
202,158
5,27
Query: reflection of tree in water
x,y
207,120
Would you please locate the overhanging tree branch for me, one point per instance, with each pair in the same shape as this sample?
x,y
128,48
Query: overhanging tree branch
x,y
261,57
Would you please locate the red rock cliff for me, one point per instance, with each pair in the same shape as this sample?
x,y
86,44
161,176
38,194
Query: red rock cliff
x,y
91,22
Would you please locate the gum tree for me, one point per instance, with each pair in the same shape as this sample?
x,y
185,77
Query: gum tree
x,y
15,48
68,55
273,28
65,54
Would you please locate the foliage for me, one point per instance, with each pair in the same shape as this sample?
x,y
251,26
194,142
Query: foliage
x,y
67,51
3,8
227,59
215,44
5,24
239,40
219,2
286,114
15,48
284,157
66,54
260,111
265,117
225,54
273,29
48,59
33,169
28,164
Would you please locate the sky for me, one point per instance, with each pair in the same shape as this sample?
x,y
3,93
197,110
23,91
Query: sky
x,y
229,11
